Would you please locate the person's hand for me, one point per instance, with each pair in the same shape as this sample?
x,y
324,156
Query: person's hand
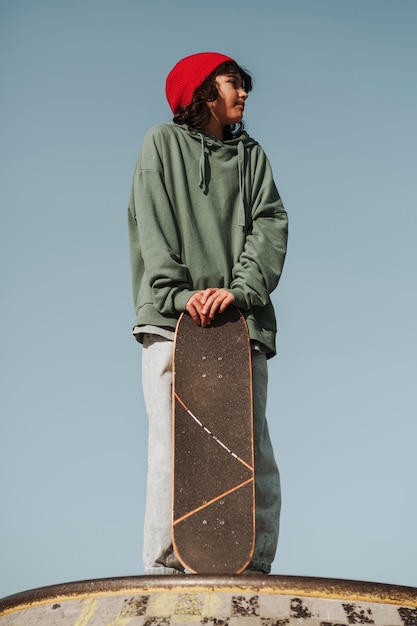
x,y
204,305
216,301
194,307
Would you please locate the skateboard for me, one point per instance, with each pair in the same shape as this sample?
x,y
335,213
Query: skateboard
x,y
213,528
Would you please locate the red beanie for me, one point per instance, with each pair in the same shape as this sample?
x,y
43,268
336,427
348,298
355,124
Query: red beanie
x,y
188,74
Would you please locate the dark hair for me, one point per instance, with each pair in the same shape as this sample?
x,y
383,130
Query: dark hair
x,y
197,114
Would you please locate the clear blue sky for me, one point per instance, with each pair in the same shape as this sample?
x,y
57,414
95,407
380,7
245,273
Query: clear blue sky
x,y
334,106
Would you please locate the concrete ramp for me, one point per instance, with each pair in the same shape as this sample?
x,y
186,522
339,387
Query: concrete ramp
x,y
212,600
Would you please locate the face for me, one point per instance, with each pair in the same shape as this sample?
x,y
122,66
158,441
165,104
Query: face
x,y
230,103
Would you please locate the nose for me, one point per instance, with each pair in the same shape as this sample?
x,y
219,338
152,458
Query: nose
x,y
242,93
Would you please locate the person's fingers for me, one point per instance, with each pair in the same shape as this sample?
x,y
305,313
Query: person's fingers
x,y
195,309
217,301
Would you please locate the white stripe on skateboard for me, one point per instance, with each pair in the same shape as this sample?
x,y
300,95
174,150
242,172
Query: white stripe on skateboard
x,y
212,435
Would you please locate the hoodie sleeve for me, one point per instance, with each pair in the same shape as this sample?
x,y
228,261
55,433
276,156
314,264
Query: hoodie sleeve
x,y
259,267
154,233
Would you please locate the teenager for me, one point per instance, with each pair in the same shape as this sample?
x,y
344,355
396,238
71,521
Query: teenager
x,y
207,228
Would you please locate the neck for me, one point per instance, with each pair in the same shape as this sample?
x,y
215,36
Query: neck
x,y
214,128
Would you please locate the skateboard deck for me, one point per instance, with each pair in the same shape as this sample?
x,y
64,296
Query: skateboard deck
x,y
213,467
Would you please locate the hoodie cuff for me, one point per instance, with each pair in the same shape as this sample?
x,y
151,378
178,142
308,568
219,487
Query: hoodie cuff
x,y
240,300
181,299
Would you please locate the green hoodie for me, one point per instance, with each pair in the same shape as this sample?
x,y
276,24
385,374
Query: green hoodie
x,y
205,213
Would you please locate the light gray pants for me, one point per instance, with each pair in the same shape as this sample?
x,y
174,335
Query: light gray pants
x,y
158,553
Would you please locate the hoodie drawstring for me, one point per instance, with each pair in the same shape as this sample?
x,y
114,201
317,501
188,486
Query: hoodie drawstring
x,y
202,183
241,214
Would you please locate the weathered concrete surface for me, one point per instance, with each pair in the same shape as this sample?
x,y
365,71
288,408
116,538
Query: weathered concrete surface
x,y
212,600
